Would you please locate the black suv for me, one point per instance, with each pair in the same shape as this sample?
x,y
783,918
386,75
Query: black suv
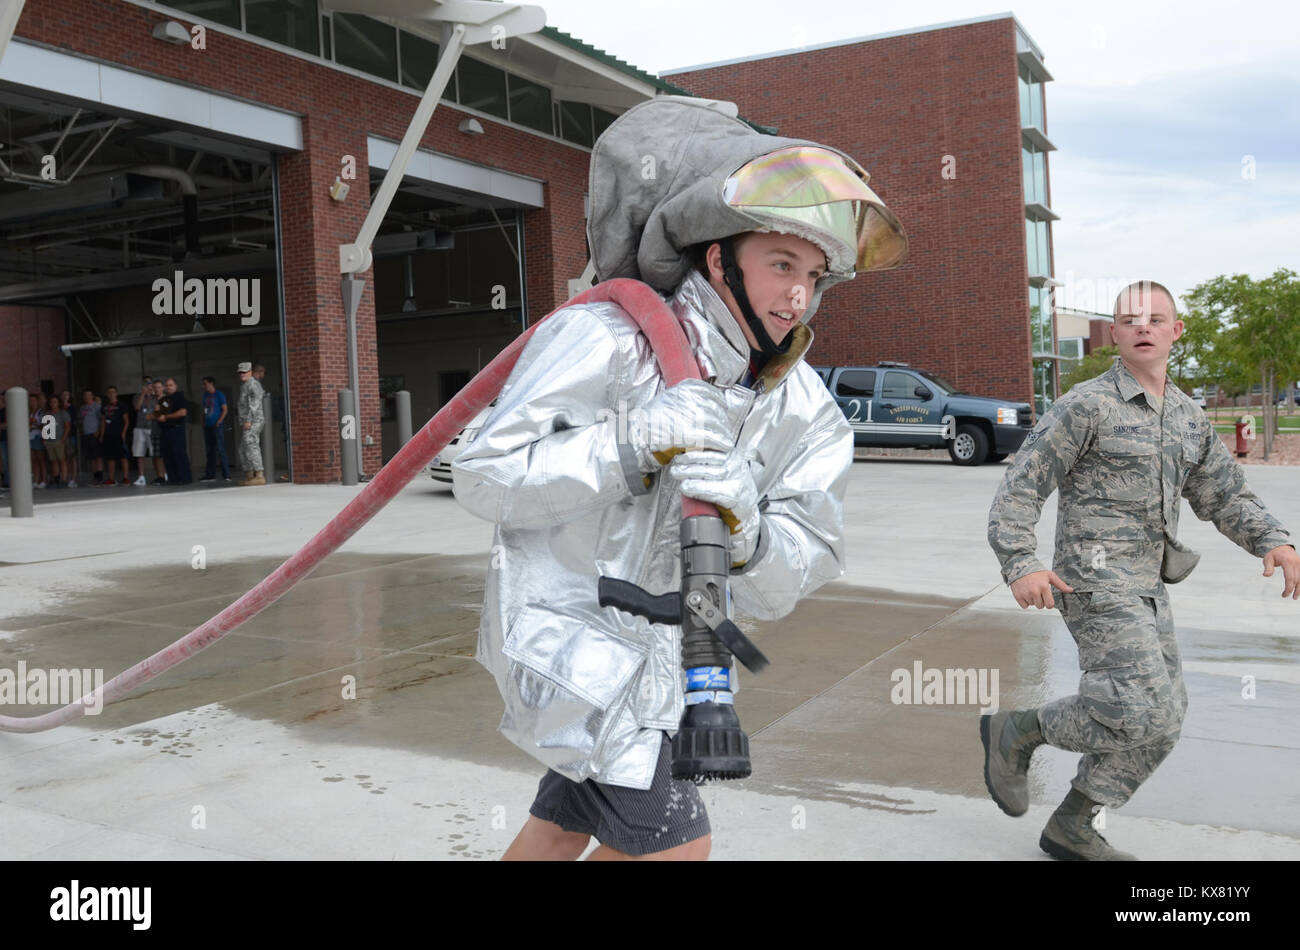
x,y
893,404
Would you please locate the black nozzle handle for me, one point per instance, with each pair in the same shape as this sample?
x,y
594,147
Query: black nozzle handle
x,y
734,639
660,608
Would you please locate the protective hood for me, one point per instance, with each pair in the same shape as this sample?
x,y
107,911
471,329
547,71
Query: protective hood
x,y
676,171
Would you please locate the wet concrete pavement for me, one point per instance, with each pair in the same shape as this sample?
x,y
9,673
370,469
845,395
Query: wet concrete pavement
x,y
349,720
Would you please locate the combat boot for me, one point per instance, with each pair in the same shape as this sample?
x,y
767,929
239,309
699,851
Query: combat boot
x,y
1010,739
1070,836
257,479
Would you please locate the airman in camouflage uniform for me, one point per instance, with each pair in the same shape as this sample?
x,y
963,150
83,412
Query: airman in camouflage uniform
x,y
1121,458
252,419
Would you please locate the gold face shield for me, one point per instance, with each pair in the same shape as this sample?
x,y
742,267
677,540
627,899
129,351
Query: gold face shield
x,y
822,196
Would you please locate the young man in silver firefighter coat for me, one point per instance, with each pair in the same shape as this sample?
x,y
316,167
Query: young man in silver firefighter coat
x,y
584,463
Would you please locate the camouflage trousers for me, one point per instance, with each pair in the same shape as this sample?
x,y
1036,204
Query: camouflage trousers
x,y
250,448
1128,713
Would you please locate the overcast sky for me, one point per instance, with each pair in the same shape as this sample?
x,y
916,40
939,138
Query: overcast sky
x,y
1154,110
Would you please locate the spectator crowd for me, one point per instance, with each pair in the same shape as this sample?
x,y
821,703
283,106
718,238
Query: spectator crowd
x,y
103,433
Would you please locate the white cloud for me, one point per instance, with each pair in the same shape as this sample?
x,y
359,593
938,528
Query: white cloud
x,y
1180,229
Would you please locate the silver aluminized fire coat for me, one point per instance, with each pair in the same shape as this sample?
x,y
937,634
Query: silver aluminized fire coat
x,y
588,689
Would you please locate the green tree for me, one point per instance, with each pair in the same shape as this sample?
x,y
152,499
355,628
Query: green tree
x,y
1253,329
1192,357
1092,365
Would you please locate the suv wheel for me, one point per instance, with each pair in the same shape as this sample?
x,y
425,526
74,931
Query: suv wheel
x,y
971,447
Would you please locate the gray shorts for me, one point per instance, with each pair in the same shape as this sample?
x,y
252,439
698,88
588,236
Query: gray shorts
x,y
667,814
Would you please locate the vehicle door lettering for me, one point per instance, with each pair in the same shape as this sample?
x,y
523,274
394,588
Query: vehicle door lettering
x,y
855,407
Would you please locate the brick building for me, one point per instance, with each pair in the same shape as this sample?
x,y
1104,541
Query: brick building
x,y
950,122
171,199
139,146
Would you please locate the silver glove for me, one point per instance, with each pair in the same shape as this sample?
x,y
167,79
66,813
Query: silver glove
x,y
724,480
691,415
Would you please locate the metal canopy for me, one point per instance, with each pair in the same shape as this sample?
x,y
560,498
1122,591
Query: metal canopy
x,y
464,22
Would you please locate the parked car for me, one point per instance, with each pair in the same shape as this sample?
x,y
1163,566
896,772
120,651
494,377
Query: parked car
x,y
440,467
894,404
1198,396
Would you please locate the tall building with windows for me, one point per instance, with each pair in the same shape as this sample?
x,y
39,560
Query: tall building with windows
x,y
951,122
1039,216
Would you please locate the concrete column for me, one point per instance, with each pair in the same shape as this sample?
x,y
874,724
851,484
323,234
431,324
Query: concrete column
x,y
348,437
403,409
20,461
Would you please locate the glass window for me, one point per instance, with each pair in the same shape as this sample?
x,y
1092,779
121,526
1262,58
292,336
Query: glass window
x,y
1044,385
1031,99
326,40
218,11
530,104
1036,319
419,59
602,119
899,386
1040,319
365,44
1034,165
290,22
1037,250
482,87
575,123
856,382
1024,95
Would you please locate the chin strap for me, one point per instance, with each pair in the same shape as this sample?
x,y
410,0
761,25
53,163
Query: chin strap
x,y
735,281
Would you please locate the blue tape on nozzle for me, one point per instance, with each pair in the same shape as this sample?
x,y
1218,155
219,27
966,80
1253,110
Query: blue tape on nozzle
x,y
711,696
708,677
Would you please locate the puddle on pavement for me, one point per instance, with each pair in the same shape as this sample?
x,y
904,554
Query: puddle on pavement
x,y
402,627
377,651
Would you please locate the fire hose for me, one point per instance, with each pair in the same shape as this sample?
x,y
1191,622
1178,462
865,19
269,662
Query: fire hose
x,y
710,743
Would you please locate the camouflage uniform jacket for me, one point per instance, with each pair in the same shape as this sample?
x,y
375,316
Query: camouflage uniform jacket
x,y
250,402
1121,466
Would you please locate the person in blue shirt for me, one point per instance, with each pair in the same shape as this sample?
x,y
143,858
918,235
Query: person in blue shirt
x,y
214,414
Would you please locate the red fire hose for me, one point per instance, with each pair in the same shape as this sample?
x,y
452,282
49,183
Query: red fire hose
x,y
676,362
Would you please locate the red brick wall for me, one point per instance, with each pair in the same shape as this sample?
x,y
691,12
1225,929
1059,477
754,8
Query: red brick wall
x,y
30,338
960,305
1098,335
339,110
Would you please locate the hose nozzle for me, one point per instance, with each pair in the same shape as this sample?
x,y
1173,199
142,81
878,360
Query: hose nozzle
x,y
709,745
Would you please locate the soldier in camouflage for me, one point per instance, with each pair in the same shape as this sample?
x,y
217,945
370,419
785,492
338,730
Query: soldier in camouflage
x,y
250,433
1121,449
